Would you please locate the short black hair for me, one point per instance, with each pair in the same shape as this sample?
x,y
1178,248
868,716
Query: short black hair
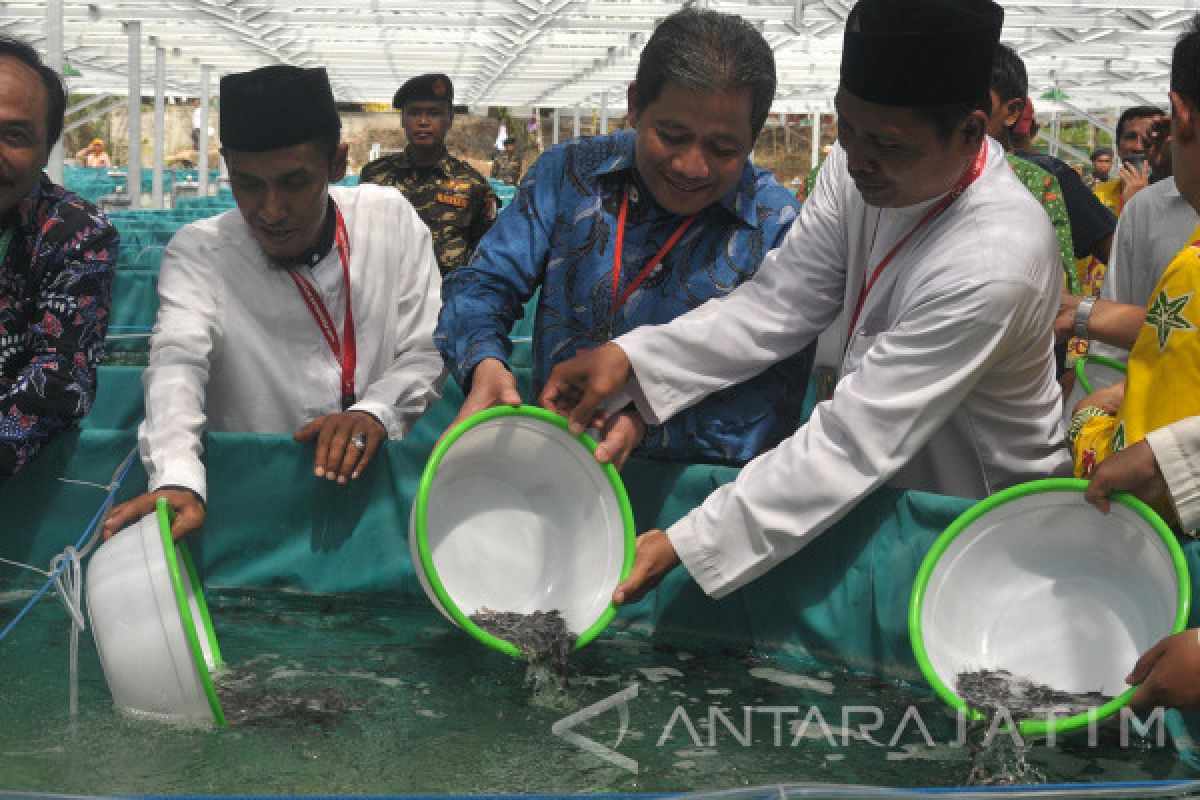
x,y
56,93
947,118
1185,64
510,140
1009,79
1137,112
706,50
1100,152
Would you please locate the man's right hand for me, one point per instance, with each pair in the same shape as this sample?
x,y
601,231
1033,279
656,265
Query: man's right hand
x,y
491,385
189,512
1108,399
1135,177
577,386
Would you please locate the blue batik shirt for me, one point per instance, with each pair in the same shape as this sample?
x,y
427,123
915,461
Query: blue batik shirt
x,y
55,284
559,235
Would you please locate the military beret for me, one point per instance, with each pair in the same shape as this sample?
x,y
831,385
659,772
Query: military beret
x,y
433,86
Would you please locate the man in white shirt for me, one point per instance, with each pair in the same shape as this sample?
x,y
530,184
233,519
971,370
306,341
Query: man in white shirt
x,y
308,310
949,274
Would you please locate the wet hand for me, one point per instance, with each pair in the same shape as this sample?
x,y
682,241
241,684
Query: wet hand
x,y
189,512
491,385
654,560
1134,470
346,442
1168,674
621,432
577,386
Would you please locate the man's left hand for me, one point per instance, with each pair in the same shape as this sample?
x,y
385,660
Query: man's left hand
x,y
339,436
1064,321
1134,470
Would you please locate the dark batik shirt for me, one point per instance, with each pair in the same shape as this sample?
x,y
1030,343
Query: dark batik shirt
x,y
55,283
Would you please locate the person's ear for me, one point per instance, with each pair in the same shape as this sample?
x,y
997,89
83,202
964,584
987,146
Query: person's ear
x,y
1183,118
1012,111
634,105
974,129
340,161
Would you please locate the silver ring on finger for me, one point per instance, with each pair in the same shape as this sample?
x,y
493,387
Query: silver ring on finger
x,y
359,440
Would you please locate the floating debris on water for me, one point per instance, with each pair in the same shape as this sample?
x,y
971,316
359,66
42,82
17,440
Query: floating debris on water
x,y
996,691
246,701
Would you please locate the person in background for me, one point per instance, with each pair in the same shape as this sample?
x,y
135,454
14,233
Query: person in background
x,y
94,155
1134,137
1102,164
307,310
507,166
634,229
450,195
949,275
57,254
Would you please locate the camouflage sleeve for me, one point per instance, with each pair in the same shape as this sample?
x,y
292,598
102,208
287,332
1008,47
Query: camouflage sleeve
x,y
371,173
481,222
56,388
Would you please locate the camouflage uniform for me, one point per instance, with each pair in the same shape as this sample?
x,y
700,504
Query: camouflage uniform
x,y
507,169
451,197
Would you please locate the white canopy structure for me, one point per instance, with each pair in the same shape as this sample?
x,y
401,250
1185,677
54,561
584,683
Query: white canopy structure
x,y
1101,54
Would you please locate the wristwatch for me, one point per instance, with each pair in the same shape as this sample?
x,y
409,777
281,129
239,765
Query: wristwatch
x,y
1083,315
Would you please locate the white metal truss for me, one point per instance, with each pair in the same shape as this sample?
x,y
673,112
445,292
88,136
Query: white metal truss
x,y
1102,54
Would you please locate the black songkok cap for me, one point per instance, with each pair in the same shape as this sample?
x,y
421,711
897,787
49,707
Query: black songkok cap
x,y
434,86
920,52
275,107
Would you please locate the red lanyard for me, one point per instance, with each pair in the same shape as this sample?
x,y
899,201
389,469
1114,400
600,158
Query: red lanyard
x,y
344,350
646,270
970,174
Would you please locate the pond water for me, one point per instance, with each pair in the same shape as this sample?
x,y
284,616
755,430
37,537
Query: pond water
x,y
355,695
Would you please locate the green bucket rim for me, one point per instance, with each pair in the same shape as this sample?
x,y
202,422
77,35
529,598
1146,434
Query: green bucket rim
x,y
420,510
165,514
1037,727
1104,361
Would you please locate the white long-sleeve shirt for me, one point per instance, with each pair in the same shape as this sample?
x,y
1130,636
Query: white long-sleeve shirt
x,y
235,348
1177,450
948,383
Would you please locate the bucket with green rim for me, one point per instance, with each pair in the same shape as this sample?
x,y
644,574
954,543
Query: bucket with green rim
x,y
514,514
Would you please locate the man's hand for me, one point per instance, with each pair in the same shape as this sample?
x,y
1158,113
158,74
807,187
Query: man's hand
x,y
491,385
1107,399
622,432
189,512
1134,470
654,560
1064,321
1168,674
338,456
1136,178
577,386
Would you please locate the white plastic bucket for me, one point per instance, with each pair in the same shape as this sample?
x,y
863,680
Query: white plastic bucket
x,y
515,514
151,624
1036,581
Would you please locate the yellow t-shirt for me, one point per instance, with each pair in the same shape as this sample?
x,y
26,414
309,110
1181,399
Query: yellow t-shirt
x,y
1109,194
1162,385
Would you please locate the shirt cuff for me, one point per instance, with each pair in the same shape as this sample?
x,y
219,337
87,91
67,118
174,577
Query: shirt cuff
x,y
385,415
700,560
1182,478
651,391
183,475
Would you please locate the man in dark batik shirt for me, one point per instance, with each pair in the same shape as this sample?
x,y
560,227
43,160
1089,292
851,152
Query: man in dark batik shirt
x,y
56,263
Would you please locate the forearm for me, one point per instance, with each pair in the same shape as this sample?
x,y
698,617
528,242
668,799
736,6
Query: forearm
x,y
1116,324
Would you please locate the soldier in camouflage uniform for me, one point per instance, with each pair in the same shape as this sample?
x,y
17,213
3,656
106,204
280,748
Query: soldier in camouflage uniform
x,y
507,166
449,195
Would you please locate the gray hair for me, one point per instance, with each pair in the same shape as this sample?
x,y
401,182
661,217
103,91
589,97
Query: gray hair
x,y
709,51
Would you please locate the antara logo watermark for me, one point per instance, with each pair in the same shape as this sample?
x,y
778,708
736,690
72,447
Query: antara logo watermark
x,y
864,725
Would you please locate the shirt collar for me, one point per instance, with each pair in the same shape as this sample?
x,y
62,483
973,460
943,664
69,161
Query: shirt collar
x,y
740,202
442,164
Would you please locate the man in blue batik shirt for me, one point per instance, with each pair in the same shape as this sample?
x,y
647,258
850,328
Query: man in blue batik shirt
x,y
56,266
693,219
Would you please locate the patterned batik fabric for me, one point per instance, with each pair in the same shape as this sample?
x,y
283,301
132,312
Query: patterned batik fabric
x,y
1161,386
454,201
55,285
559,235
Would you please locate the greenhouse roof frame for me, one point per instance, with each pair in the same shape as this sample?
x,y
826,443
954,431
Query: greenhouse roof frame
x,y
1100,54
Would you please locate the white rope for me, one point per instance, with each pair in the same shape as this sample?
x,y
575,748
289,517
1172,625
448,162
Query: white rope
x,y
69,582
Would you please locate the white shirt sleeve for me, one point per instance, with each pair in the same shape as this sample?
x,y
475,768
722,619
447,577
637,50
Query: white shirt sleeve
x,y
414,379
796,293
176,379
912,379
1177,449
